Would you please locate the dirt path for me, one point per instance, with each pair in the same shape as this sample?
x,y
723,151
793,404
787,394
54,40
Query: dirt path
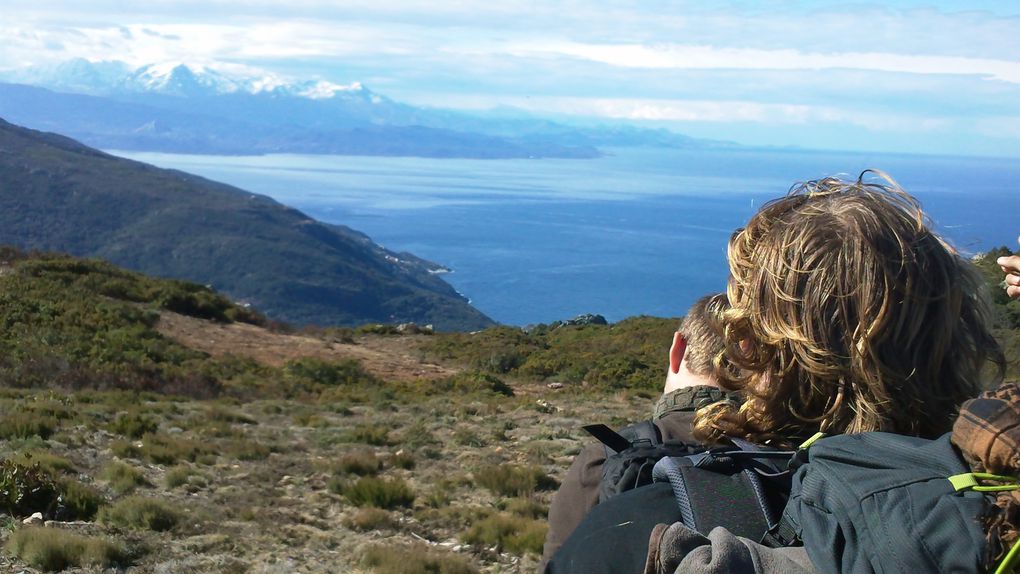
x,y
390,358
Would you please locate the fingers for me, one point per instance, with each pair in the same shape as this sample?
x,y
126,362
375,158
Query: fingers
x,y
1011,267
1009,264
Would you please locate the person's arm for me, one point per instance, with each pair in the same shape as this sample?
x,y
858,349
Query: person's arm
x,y
676,549
578,494
1011,267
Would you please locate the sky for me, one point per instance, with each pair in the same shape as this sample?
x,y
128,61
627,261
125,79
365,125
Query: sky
x,y
908,76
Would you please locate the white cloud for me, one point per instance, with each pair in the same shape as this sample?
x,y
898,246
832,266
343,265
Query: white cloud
x,y
690,57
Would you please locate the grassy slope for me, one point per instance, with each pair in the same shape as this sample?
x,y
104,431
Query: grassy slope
x,y
317,460
59,195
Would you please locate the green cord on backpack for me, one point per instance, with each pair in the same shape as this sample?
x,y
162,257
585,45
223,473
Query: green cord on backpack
x,y
881,502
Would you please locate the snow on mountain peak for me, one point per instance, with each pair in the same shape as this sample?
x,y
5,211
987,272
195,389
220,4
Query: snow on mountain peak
x,y
177,78
323,90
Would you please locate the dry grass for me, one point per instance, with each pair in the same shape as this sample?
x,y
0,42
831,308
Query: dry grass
x,y
361,470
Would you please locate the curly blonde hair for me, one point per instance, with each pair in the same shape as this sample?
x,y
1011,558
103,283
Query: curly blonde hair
x,y
847,314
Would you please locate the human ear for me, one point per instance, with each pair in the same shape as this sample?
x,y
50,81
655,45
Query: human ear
x,y
676,352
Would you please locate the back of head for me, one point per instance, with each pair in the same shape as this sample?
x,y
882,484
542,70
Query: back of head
x,y
700,328
848,314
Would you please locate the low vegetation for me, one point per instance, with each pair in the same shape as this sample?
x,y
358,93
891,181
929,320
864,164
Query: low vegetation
x,y
140,451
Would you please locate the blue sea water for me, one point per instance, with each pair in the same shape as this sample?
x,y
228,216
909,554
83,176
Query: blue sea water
x,y
639,231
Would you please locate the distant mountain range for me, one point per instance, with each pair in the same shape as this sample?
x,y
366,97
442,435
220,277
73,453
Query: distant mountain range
x,y
59,195
176,107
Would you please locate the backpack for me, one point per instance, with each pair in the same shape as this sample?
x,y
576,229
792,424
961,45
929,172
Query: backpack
x,y
880,502
743,488
631,454
687,487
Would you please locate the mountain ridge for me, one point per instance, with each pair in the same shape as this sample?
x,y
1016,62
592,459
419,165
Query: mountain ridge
x,y
208,109
60,195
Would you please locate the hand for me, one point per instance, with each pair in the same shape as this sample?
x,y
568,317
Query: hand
x,y
1011,267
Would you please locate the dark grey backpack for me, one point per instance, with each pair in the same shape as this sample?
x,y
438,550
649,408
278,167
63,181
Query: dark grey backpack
x,y
881,502
631,454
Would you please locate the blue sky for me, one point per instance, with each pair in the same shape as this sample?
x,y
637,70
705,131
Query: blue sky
x,y
907,76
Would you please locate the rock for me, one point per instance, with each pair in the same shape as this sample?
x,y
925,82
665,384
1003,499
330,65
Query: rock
x,y
587,319
36,518
555,385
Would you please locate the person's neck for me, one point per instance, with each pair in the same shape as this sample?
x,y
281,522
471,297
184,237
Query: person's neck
x,y
684,378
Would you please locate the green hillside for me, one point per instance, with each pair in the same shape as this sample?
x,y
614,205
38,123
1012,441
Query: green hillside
x,y
59,195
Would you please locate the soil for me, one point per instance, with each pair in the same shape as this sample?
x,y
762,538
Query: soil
x,y
391,358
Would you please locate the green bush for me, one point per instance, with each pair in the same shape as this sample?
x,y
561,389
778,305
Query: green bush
x,y
122,478
367,519
527,508
360,462
512,480
373,434
347,372
179,476
162,449
402,459
470,382
377,492
141,513
79,501
414,560
515,534
27,489
54,549
133,425
245,449
26,425
53,464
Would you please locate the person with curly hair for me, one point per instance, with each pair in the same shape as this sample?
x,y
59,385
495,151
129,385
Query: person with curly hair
x,y
848,314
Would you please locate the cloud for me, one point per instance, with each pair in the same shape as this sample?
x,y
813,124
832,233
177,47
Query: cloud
x,y
702,57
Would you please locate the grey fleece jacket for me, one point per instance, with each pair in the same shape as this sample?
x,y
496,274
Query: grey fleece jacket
x,y
676,549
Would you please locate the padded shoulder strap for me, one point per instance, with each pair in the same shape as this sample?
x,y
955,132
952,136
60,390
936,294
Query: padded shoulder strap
x,y
616,442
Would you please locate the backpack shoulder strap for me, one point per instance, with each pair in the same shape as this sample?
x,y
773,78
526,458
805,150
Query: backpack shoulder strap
x,y
616,442
723,487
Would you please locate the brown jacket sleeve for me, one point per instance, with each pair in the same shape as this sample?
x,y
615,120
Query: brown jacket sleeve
x,y
578,493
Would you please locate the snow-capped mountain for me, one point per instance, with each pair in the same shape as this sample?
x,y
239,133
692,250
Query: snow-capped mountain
x,y
114,78
234,109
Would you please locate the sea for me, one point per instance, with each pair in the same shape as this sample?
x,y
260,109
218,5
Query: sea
x,y
640,231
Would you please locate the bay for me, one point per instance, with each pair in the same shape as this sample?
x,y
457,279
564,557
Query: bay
x,y
639,231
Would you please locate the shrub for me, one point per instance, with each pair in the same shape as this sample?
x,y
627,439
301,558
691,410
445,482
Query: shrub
x,y
366,519
47,461
223,414
402,459
527,508
133,425
468,437
141,513
78,501
328,373
377,492
373,434
25,425
470,382
244,449
162,449
414,560
512,533
123,478
512,480
54,549
26,489
377,329
363,463
178,476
